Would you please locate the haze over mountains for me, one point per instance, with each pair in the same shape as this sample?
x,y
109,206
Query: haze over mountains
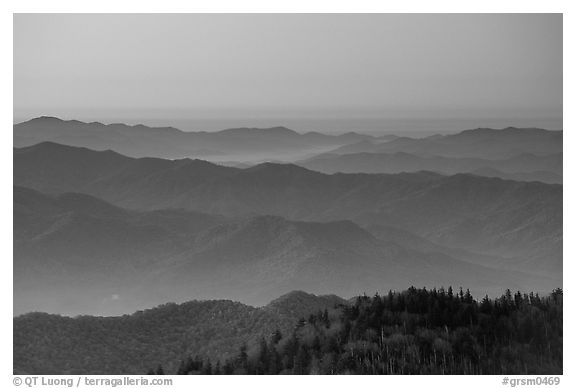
x,y
523,167
168,142
525,154
93,229
111,219
488,233
529,154
485,143
463,205
519,154
77,254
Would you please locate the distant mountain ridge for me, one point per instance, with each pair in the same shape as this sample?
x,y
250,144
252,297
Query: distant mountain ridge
x,y
169,142
488,215
483,143
74,253
523,167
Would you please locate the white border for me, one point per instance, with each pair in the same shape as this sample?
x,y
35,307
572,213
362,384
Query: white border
x,y
334,6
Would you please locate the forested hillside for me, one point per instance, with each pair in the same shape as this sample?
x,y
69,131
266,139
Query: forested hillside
x,y
413,332
130,344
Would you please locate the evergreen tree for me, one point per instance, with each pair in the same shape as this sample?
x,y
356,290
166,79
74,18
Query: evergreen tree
x,y
276,337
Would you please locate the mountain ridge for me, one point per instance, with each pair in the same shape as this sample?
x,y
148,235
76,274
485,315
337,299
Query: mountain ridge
x,y
484,143
469,211
169,142
66,242
525,166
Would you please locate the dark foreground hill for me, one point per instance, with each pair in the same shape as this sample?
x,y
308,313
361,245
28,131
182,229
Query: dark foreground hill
x,y
76,254
413,332
417,331
518,221
131,344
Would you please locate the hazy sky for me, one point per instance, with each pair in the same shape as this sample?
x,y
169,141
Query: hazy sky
x,y
288,65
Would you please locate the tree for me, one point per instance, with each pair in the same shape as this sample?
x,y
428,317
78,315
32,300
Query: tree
x,y
468,297
276,337
486,305
243,358
263,358
207,367
301,361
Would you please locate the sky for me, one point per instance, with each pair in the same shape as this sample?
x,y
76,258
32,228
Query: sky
x,y
267,68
